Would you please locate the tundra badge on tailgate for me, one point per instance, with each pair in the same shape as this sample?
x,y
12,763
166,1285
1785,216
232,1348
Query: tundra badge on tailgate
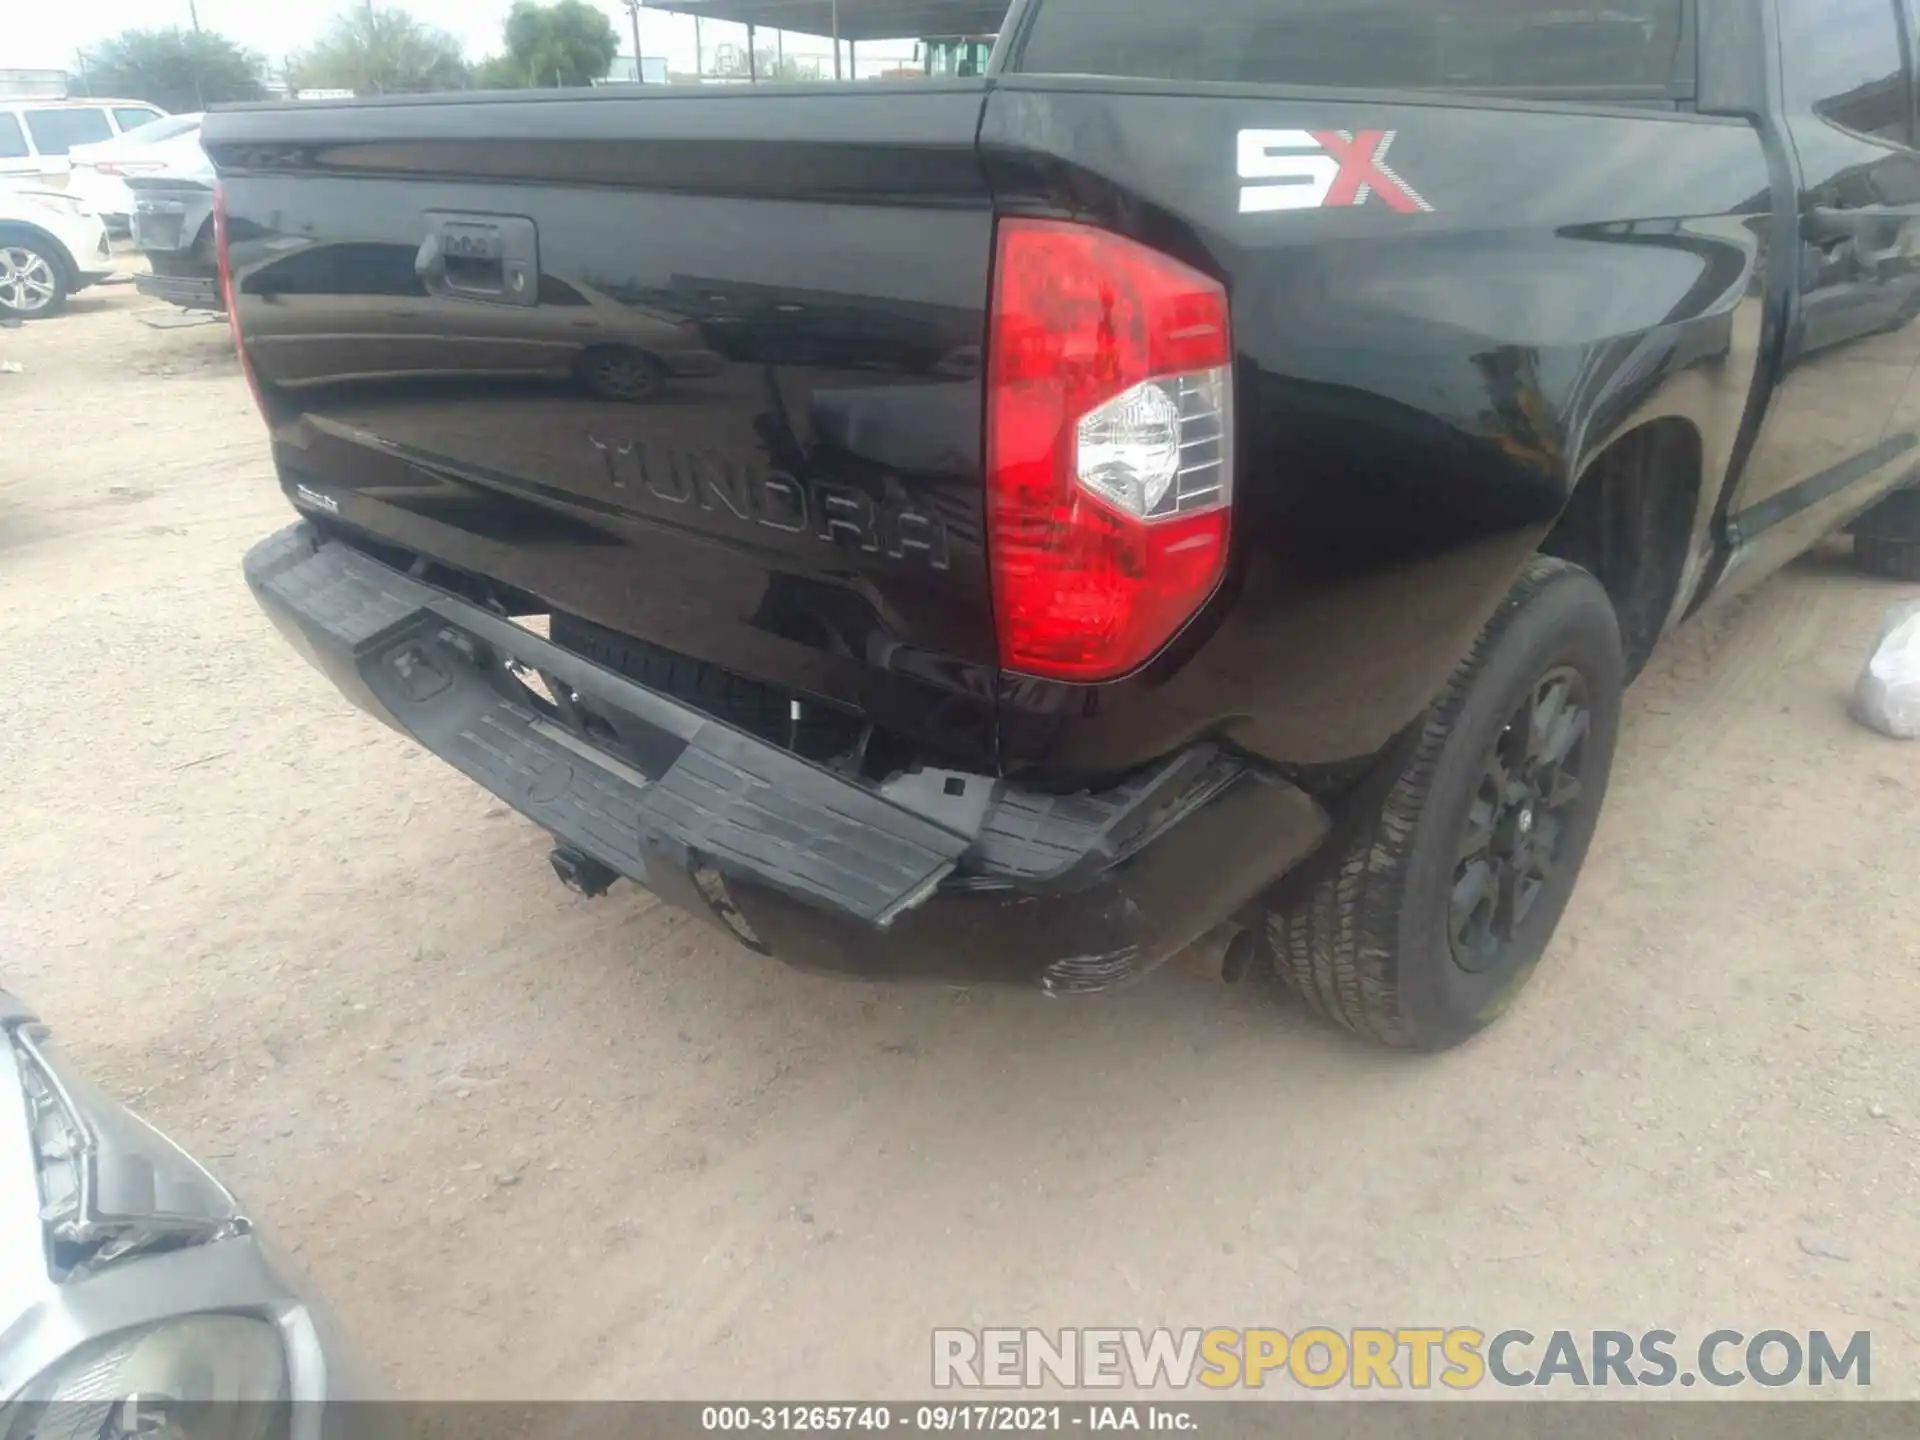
x,y
1321,169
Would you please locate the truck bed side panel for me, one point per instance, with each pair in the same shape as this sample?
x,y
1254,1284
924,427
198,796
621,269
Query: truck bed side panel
x,y
1420,382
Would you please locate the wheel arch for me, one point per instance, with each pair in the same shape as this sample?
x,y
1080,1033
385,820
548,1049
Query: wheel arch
x,y
56,250
583,363
1631,522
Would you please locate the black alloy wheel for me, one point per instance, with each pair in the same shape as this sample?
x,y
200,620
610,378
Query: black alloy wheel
x,y
1519,819
1425,923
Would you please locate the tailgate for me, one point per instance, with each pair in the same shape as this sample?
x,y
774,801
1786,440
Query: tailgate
x,y
702,371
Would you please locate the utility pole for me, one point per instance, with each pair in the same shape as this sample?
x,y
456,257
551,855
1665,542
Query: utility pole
x,y
633,14
753,60
698,62
193,12
836,39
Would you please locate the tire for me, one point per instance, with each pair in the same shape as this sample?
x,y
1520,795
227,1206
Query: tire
x,y
1894,559
1377,944
621,375
33,278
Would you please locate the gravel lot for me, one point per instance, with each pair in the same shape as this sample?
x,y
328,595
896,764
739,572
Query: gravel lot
x,y
538,1146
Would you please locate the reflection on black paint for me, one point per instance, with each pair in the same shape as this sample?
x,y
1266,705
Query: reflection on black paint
x,y
1415,394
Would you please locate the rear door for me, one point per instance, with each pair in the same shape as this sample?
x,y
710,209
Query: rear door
x,y
16,152
56,129
1838,428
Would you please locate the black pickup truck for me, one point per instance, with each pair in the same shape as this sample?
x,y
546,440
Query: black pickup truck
x,y
1212,477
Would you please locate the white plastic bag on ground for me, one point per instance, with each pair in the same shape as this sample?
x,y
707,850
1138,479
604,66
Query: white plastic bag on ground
x,y
1887,698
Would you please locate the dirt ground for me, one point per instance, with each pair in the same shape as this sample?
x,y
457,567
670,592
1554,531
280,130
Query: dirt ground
x,y
532,1145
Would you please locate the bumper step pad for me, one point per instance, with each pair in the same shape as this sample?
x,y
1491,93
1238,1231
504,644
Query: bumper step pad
x,y
432,663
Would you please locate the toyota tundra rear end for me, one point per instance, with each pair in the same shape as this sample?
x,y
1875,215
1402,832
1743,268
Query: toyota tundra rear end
x,y
981,530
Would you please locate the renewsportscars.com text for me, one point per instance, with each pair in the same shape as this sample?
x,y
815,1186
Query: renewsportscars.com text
x,y
1407,1358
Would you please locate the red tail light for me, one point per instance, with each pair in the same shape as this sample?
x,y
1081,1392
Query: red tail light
x,y
227,294
1109,448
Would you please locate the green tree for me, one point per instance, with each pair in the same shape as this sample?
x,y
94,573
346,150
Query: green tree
x,y
567,43
501,72
178,70
380,52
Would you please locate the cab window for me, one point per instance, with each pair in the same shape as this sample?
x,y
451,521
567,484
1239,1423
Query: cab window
x,y
1484,45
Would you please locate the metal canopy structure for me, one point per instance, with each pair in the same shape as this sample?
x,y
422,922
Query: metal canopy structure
x,y
851,19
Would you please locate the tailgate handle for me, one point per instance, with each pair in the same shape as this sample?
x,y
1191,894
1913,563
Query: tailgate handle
x,y
493,258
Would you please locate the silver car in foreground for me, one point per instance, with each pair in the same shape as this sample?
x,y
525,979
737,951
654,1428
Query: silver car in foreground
x,y
131,1280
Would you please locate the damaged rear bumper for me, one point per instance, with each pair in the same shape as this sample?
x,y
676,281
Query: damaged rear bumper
x,y
190,292
934,875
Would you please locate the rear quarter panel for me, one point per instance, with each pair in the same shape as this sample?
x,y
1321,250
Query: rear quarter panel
x,y
1418,392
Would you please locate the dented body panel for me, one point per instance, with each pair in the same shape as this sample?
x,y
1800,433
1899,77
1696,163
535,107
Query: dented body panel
x,y
1421,385
1449,310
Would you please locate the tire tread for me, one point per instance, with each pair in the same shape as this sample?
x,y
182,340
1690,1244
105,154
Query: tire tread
x,y
1335,949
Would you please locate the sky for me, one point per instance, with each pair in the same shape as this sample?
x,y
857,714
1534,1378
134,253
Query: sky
x,y
52,33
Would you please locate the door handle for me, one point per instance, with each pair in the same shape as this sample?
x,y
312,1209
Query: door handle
x,y
482,276
479,257
1828,229
1876,242
1832,222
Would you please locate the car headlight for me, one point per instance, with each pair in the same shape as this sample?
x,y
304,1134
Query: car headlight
x,y
203,1377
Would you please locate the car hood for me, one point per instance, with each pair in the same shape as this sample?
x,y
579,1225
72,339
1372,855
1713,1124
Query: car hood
x,y
24,1280
19,201
85,1184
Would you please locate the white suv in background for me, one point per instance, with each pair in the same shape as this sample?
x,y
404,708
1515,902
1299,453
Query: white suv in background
x,y
51,245
35,135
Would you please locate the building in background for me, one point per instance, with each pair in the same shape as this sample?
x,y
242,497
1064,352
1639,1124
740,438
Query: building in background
x,y
653,70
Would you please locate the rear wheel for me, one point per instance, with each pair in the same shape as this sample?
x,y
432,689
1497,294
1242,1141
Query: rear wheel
x,y
33,282
1440,907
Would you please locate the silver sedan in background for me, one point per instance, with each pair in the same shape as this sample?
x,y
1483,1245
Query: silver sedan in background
x,y
131,1280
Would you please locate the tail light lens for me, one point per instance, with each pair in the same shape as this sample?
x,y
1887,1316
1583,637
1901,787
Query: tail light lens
x,y
1109,448
227,294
